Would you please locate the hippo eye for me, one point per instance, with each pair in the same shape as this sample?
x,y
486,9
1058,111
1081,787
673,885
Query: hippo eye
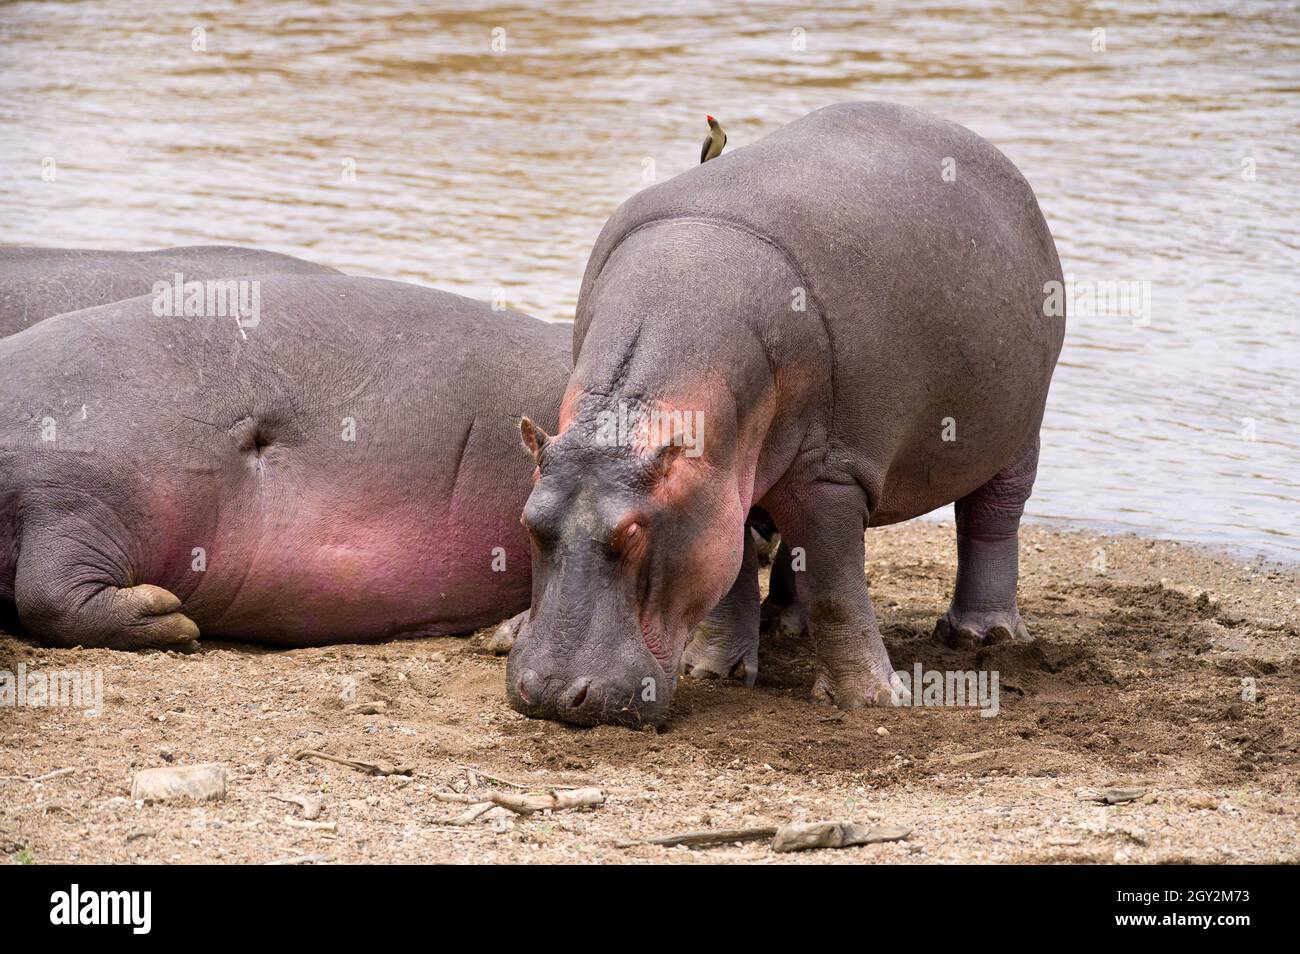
x,y
627,538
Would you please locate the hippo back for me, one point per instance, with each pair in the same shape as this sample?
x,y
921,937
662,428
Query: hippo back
x,y
923,255
36,283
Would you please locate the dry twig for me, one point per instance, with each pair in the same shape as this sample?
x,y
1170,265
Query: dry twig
x,y
370,768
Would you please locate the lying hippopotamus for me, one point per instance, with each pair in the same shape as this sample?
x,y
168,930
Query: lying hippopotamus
x,y
345,469
36,283
842,324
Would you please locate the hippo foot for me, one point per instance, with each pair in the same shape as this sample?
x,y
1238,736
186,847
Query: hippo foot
x,y
780,621
717,653
855,690
148,620
503,640
970,630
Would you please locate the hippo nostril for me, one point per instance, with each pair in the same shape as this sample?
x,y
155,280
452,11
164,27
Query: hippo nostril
x,y
529,686
576,694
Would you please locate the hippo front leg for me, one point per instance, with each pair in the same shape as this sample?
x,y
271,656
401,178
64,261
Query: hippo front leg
x,y
726,642
825,533
71,591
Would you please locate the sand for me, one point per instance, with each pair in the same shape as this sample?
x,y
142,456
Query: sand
x,y
1131,682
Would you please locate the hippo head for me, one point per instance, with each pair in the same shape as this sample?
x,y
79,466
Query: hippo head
x,y
635,538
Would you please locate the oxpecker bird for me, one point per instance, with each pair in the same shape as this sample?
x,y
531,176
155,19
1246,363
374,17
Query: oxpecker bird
x,y
714,142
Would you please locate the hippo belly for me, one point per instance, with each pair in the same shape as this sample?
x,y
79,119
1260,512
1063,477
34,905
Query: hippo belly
x,y
337,553
347,469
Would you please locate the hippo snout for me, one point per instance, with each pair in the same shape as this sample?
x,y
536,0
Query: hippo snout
x,y
598,695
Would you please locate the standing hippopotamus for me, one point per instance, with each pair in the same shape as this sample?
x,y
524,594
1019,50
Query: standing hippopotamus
x,y
347,469
842,324
36,283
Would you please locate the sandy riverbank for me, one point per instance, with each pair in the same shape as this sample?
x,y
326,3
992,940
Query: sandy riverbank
x,y
1130,683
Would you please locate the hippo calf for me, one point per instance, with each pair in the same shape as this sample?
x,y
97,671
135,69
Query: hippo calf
x,y
347,469
36,283
842,324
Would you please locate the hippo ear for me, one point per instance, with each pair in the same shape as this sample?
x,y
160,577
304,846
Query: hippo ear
x,y
535,439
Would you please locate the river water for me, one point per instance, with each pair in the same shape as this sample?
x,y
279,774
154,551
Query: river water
x,y
480,149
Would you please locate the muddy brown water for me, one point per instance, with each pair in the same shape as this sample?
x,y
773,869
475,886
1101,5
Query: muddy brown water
x,y
480,146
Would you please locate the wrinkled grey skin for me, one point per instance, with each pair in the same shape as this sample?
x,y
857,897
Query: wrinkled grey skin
x,y
347,470
36,283
832,305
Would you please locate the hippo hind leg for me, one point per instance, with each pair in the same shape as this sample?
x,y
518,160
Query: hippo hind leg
x,y
66,595
983,608
726,642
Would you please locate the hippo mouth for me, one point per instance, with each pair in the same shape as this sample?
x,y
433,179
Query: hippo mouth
x,y
628,686
584,701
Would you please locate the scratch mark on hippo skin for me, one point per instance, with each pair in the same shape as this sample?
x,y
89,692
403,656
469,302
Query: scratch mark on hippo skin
x,y
460,462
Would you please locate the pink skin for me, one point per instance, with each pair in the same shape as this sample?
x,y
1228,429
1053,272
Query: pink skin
x,y
711,564
703,491
335,569
299,568
303,568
